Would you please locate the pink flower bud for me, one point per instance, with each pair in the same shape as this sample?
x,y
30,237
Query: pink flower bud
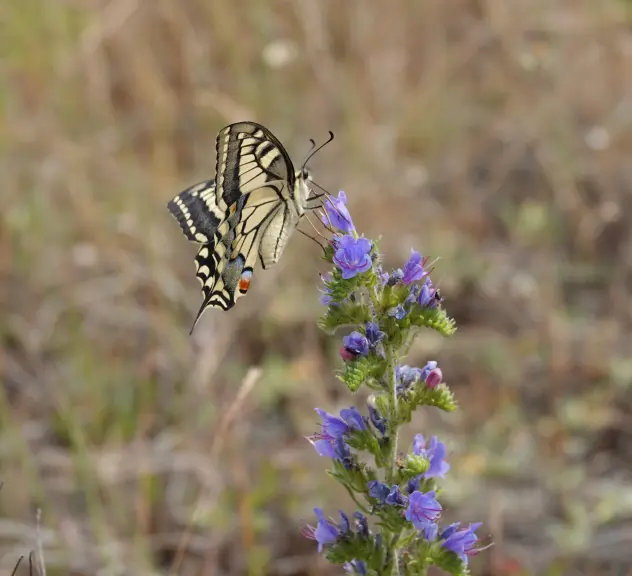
x,y
434,378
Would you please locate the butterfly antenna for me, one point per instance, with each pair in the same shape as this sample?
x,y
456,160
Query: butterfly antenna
x,y
316,229
17,565
313,150
313,239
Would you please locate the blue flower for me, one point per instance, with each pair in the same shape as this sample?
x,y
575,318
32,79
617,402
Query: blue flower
x,y
355,567
337,215
356,343
461,542
325,532
430,531
435,453
343,453
344,523
382,276
431,365
395,497
378,490
414,268
408,375
413,484
373,334
429,297
352,256
378,422
332,425
353,418
361,524
422,509
398,312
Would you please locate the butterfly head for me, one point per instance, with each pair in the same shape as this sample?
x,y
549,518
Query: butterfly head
x,y
301,187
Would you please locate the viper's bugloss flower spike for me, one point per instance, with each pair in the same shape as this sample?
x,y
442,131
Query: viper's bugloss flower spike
x,y
352,256
381,312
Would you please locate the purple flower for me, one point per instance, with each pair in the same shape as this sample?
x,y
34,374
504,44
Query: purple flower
x,y
435,453
430,531
325,532
413,484
378,490
373,334
429,297
408,375
332,425
414,268
462,542
352,256
431,365
395,277
361,524
382,276
431,375
378,422
422,509
324,447
337,215
356,344
425,296
395,497
343,453
344,523
398,312
353,418
434,378
355,567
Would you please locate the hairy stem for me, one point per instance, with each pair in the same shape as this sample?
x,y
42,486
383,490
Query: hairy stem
x,y
391,366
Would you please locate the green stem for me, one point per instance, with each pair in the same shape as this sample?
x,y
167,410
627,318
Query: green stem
x,y
391,372
391,367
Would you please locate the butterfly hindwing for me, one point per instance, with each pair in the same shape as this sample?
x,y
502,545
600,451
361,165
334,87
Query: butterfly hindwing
x,y
197,212
275,236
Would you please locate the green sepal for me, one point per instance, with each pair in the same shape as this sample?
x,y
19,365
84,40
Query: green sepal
x,y
356,372
421,395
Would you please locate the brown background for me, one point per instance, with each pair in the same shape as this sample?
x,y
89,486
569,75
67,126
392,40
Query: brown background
x,y
496,135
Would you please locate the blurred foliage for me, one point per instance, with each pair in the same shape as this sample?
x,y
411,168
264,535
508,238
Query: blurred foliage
x,y
496,136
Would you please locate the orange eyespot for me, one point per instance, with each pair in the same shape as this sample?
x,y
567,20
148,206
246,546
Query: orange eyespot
x,y
244,281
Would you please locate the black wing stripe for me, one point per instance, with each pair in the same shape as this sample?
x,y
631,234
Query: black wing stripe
x,y
196,211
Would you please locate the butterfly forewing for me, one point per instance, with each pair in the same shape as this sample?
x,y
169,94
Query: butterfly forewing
x,y
249,157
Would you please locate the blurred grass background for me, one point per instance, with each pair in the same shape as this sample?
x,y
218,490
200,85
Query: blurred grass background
x,y
496,135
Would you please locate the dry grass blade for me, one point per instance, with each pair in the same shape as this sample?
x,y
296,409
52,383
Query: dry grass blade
x,y
223,427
